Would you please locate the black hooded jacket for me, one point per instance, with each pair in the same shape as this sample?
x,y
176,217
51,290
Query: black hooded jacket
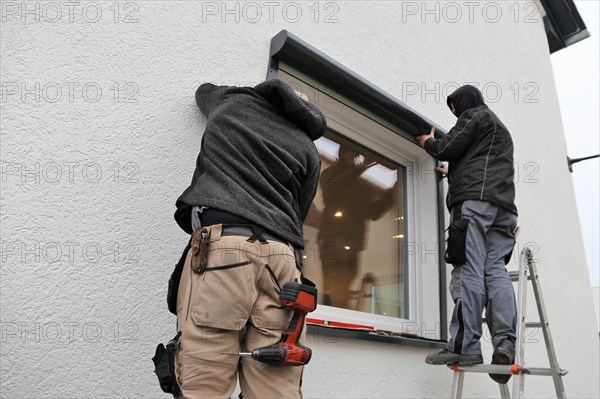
x,y
257,158
479,150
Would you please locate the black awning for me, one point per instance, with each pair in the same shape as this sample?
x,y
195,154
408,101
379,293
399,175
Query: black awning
x,y
289,49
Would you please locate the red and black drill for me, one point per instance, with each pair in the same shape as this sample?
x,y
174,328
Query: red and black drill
x,y
302,299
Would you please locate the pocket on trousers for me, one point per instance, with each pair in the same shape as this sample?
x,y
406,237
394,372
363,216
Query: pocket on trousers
x,y
512,232
267,311
456,253
221,295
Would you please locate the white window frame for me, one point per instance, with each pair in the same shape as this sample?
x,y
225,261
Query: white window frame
x,y
421,207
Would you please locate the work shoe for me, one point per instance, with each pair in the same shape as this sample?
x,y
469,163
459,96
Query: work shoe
x,y
446,357
503,354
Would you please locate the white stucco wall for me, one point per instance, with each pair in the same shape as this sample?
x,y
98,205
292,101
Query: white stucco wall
x,y
89,179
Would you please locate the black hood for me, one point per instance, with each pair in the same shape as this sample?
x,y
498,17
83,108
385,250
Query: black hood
x,y
464,98
304,114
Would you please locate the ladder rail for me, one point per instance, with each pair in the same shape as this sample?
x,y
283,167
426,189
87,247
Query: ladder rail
x,y
504,391
552,358
457,385
518,390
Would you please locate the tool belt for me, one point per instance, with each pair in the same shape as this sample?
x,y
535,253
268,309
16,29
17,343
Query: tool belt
x,y
258,233
234,225
164,366
252,231
199,242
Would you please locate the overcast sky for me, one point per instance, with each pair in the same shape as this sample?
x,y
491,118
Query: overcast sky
x,y
577,70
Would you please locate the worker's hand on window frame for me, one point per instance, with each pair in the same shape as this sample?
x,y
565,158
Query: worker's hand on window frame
x,y
423,138
443,169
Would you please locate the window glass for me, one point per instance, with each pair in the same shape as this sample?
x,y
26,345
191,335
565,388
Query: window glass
x,y
355,230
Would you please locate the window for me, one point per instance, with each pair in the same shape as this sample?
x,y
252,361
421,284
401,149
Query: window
x,y
372,234
354,232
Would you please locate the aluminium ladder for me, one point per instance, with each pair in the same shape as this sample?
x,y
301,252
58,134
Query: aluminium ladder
x,y
527,271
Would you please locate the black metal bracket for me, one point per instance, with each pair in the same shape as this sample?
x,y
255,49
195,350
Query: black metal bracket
x,y
570,161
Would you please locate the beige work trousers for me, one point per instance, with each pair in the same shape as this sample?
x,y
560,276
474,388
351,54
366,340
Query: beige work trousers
x,y
234,306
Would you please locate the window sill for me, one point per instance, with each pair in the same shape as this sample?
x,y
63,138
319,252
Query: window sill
x,y
333,332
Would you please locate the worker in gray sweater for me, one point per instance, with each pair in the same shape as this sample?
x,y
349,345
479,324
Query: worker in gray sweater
x,y
255,178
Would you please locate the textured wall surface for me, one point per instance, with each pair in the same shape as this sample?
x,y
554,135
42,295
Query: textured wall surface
x,y
99,135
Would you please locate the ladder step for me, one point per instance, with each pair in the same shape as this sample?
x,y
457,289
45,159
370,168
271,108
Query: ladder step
x,y
500,369
482,368
514,276
533,324
543,371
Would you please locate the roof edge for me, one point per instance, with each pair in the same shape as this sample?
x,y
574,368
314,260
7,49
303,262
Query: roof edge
x,y
563,23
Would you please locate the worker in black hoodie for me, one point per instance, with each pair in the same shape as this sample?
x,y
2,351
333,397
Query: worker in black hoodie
x,y
255,178
480,199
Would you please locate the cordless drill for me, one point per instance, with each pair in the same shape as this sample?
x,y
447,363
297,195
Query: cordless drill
x,y
302,299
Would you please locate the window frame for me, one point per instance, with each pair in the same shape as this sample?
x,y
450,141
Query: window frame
x,y
376,104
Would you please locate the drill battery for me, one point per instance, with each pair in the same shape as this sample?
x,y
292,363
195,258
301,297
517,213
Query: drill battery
x,y
299,296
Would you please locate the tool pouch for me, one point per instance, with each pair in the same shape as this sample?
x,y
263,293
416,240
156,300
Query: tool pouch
x,y
174,281
456,249
200,244
513,233
164,366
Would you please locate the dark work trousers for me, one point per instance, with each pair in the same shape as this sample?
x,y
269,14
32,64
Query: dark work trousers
x,y
483,280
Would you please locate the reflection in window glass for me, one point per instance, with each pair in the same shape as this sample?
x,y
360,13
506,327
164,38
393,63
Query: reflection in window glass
x,y
354,231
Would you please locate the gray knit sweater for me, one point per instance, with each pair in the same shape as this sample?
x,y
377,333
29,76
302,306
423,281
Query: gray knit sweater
x,y
257,159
